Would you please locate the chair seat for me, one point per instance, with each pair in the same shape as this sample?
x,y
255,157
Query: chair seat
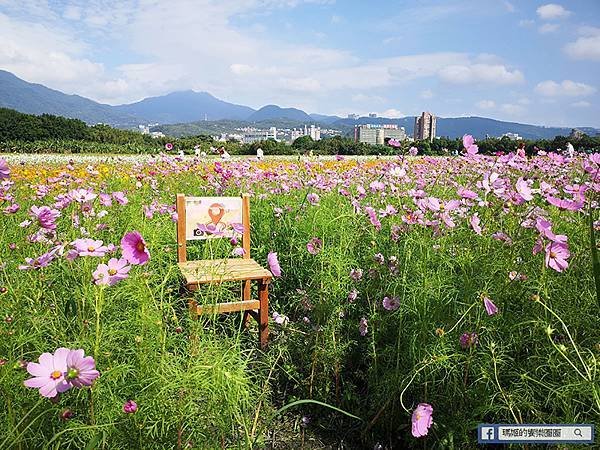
x,y
221,270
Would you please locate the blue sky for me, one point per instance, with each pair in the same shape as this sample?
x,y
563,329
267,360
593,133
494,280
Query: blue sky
x,y
527,61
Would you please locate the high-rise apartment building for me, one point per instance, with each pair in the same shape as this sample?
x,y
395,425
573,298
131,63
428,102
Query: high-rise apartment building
x,y
425,127
376,134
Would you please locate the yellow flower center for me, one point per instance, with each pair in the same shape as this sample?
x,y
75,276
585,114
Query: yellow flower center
x,y
140,246
56,374
112,271
91,249
552,255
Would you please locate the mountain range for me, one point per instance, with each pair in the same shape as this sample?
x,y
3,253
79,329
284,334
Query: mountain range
x,y
197,109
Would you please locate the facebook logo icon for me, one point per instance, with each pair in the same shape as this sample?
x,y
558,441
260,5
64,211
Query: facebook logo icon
x,y
487,434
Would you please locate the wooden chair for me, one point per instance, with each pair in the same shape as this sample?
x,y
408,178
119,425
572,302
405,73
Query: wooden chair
x,y
201,218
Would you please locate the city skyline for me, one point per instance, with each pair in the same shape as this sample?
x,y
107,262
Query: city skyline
x,y
530,61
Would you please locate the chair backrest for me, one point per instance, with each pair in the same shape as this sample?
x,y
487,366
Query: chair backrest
x,y
200,218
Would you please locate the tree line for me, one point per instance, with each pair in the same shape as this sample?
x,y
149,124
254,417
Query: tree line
x,y
28,133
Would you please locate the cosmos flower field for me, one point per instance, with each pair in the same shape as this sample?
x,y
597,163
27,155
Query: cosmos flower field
x,y
413,298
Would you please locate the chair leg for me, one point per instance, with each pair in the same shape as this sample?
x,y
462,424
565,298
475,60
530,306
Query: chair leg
x,y
245,297
263,314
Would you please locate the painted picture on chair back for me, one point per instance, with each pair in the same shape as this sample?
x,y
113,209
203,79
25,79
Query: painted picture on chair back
x,y
213,217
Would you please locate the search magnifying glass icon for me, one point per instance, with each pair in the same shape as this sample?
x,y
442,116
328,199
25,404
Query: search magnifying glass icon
x,y
577,432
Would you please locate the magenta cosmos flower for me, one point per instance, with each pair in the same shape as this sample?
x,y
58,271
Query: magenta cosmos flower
x,y
4,170
169,146
490,308
129,407
111,273
468,340
314,246
422,419
274,264
134,248
557,254
45,216
49,373
81,370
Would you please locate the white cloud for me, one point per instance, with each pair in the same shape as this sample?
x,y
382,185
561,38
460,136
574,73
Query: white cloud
x,y
509,6
552,11
364,98
486,104
566,88
526,23
391,113
587,46
480,73
581,104
335,19
40,54
427,94
512,109
548,28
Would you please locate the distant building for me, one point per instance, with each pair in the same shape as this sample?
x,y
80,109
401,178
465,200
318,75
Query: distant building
x,y
377,134
512,136
254,135
425,127
372,115
313,131
353,116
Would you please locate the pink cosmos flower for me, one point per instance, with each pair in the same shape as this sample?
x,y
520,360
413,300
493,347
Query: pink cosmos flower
x,y
413,151
569,205
134,248
81,370
49,373
356,274
4,170
314,245
82,195
13,208
373,218
557,254
422,419
352,295
313,198
90,247
120,198
466,193
39,262
475,223
238,252
129,407
469,144
45,216
280,319
363,327
490,308
168,146
105,199
111,273
394,143
274,264
391,303
524,189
